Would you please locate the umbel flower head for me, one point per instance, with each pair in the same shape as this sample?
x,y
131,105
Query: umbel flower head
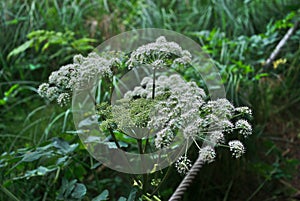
x,y
208,154
183,164
158,53
83,71
178,107
244,128
182,105
237,148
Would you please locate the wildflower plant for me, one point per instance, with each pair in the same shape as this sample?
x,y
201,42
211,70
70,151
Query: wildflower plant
x,y
138,101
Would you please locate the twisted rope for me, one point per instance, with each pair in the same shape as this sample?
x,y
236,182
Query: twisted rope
x,y
187,181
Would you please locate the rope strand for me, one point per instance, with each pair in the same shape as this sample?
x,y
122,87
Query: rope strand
x,y
187,181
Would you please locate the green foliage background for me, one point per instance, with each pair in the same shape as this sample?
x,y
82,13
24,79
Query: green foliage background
x,y
42,159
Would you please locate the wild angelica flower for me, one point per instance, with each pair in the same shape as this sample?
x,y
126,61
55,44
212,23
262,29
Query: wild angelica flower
x,y
225,125
179,107
63,99
207,154
158,51
237,148
62,77
182,60
42,90
164,137
158,63
83,71
220,107
186,53
216,137
183,165
161,39
244,110
52,93
78,59
244,128
191,130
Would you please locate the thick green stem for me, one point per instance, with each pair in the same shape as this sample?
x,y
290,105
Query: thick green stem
x,y
145,176
153,86
114,138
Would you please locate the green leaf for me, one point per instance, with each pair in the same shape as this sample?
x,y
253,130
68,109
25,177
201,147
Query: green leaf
x,y
32,156
61,160
122,199
63,146
40,171
103,196
132,194
258,76
45,46
33,67
12,89
79,191
20,49
2,101
69,187
8,93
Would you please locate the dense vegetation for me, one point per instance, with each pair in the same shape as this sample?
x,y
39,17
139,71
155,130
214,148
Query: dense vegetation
x,y
43,159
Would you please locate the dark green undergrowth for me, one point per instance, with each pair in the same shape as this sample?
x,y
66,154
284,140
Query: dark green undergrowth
x,y
43,159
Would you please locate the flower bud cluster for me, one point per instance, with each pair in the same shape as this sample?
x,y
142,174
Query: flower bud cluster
x,y
237,148
83,71
183,164
156,54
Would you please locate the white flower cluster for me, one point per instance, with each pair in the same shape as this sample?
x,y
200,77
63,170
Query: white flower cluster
x,y
216,137
207,154
155,54
179,110
244,128
183,107
183,165
217,114
220,107
80,73
244,110
237,148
